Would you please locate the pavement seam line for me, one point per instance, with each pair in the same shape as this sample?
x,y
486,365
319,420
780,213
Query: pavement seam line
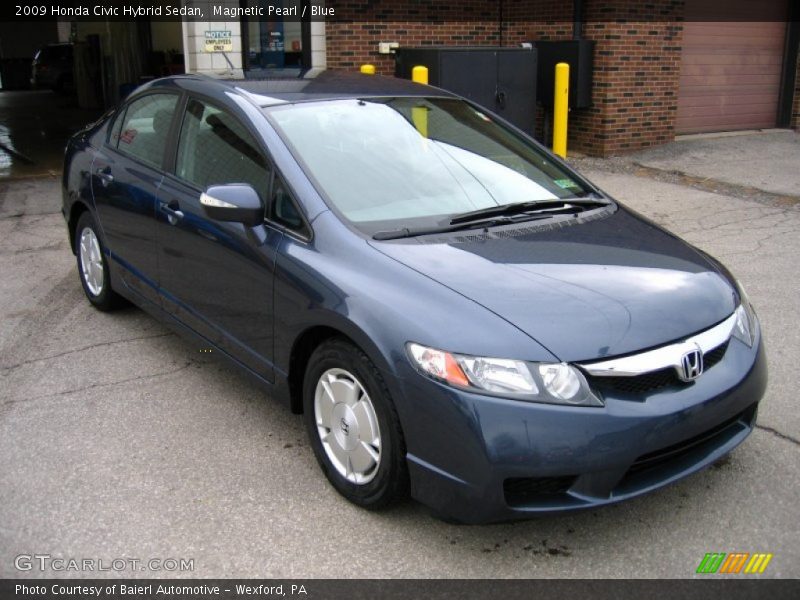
x,y
677,177
779,434
97,385
714,186
90,347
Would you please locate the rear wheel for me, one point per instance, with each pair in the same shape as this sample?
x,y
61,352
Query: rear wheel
x,y
353,426
93,266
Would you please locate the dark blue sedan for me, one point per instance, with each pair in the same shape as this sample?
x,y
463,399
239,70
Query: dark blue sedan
x,y
458,315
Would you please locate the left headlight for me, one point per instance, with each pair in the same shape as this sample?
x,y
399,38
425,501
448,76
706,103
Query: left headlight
x,y
552,383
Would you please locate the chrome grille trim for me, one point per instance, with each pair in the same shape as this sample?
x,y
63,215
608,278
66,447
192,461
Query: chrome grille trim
x,y
663,357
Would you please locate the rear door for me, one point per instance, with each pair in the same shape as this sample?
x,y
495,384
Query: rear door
x,y
126,175
217,277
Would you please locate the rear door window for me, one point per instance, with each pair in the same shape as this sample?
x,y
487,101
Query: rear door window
x,y
145,128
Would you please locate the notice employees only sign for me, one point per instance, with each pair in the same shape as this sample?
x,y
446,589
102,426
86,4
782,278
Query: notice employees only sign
x,y
218,41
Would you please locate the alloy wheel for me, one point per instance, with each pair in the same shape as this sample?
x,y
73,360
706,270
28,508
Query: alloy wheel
x,y
347,426
91,261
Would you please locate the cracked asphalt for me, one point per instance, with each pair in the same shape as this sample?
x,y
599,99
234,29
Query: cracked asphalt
x,y
120,440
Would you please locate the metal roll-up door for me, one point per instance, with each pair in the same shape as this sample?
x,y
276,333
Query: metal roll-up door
x,y
731,70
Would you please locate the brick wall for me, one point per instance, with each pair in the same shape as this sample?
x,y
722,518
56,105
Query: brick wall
x,y
636,64
353,34
636,68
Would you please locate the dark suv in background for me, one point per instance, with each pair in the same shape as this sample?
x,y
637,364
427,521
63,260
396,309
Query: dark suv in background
x,y
53,68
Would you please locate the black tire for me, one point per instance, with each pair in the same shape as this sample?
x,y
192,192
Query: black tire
x,y
389,484
107,298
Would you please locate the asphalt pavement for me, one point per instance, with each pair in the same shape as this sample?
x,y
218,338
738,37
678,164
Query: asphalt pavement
x,y
120,440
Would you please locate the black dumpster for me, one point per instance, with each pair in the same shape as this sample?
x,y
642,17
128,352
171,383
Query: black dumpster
x,y
500,79
579,55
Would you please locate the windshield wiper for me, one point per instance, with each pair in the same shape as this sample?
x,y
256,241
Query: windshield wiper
x,y
527,207
405,232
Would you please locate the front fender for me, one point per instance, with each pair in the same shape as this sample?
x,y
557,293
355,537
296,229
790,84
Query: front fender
x,y
340,282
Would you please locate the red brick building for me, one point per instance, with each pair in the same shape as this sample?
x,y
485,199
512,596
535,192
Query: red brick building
x,y
661,67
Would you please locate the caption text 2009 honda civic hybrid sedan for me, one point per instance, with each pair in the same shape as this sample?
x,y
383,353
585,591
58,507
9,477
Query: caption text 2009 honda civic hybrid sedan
x,y
458,315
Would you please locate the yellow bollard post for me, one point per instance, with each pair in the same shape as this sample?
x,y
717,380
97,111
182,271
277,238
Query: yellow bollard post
x,y
368,69
419,74
419,116
561,110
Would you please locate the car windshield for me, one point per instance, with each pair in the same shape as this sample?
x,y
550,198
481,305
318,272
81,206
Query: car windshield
x,y
409,162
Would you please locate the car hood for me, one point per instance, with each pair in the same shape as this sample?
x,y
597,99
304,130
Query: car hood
x,y
596,289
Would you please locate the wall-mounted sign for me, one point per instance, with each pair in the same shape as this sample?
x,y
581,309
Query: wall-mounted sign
x,y
219,41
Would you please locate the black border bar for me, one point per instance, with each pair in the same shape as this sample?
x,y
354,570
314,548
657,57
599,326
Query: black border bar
x,y
743,587
401,11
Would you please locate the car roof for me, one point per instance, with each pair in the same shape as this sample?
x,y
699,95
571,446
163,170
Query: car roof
x,y
326,85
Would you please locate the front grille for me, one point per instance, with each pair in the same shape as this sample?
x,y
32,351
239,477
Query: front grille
x,y
712,357
648,382
520,491
641,383
653,460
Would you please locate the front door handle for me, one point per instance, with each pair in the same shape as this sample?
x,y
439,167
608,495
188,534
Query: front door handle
x,y
105,176
173,212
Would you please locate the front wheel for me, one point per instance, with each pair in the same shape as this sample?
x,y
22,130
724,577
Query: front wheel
x,y
353,427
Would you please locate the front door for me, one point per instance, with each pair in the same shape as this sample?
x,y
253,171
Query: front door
x,y
217,277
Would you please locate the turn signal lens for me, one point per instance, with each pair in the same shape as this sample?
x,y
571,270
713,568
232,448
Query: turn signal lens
x,y
439,364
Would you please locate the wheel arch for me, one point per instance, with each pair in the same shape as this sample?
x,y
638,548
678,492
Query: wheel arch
x,y
76,210
309,340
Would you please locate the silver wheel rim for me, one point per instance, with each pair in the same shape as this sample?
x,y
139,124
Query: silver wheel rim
x,y
91,261
347,426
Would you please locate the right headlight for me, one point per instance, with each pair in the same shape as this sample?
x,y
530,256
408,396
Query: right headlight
x,y
746,323
552,383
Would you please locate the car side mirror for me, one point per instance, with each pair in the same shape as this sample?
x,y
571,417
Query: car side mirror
x,y
236,202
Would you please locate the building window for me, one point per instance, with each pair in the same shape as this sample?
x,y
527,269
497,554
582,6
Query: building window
x,y
275,45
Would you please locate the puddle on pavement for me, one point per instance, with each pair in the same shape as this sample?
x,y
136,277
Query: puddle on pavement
x,y
34,129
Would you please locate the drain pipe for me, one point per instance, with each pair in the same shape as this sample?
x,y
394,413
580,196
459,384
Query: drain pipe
x,y
500,21
577,19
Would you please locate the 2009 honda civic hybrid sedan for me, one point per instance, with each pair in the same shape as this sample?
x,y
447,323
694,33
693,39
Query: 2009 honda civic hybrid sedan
x,y
458,315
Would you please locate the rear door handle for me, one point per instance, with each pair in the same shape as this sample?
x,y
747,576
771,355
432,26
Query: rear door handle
x,y
173,212
105,176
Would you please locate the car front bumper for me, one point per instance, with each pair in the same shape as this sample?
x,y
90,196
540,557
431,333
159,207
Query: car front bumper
x,y
474,458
